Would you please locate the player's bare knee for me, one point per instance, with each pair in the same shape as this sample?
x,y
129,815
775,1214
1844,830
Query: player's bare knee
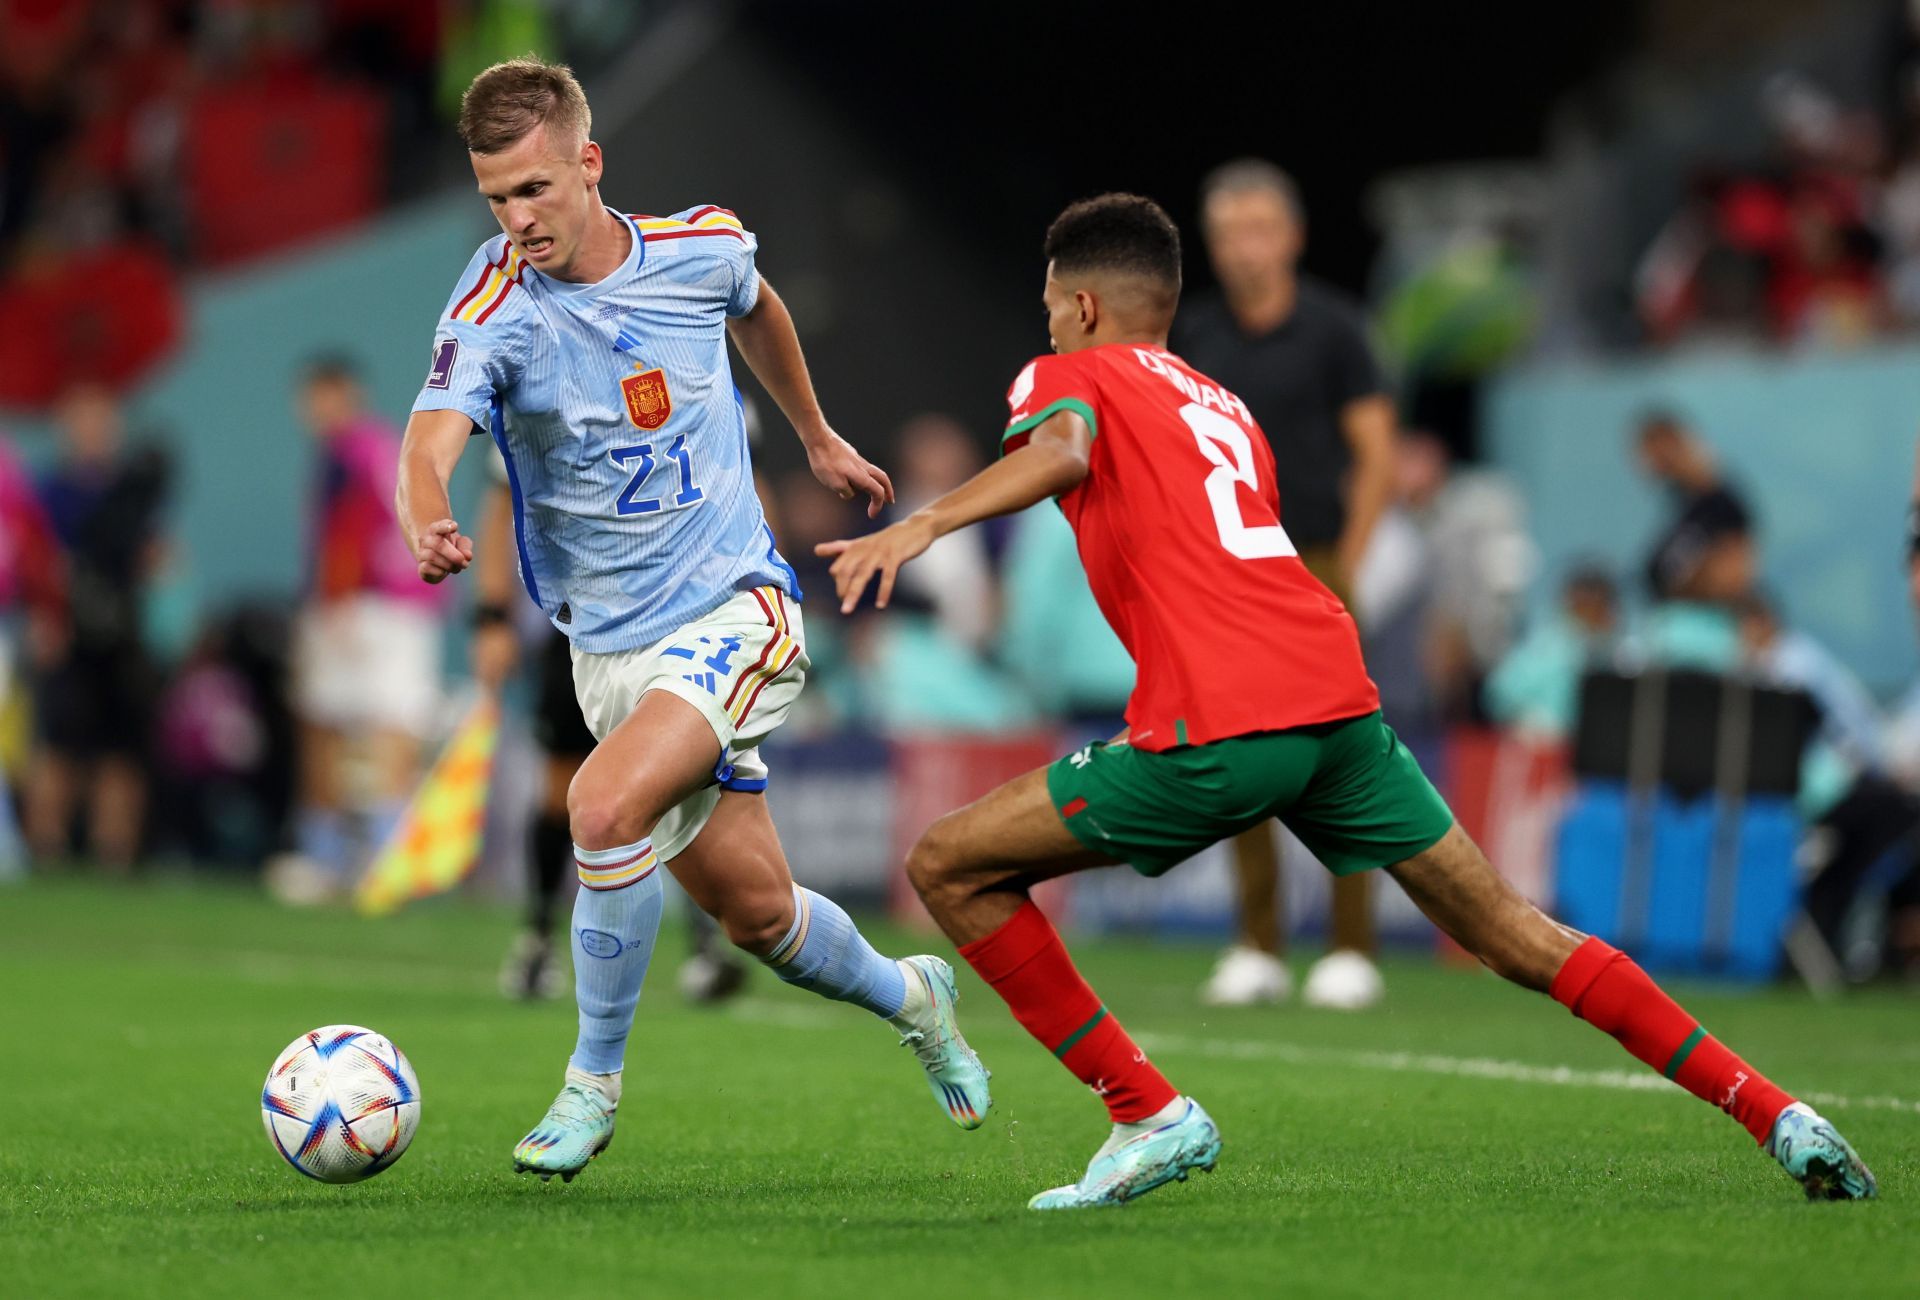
x,y
599,819
756,926
934,864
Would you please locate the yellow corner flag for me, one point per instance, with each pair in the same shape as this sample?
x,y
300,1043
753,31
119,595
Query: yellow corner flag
x,y
437,842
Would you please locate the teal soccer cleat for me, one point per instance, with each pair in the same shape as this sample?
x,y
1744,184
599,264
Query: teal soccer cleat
x,y
1135,1165
1815,1155
576,1128
954,1072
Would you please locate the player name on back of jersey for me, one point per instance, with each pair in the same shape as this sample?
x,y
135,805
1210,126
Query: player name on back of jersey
x,y
1196,390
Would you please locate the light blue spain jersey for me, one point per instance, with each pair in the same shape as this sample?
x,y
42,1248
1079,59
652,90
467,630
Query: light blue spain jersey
x,y
614,407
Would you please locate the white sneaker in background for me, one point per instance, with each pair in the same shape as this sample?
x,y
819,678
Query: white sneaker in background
x,y
529,972
1344,980
1247,976
294,880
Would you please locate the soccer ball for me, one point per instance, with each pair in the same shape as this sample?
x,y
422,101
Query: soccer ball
x,y
341,1103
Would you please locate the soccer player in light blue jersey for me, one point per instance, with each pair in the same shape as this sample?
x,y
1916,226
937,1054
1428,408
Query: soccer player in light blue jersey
x,y
592,346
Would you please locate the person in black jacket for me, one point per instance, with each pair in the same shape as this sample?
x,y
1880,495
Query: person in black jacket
x,y
1295,350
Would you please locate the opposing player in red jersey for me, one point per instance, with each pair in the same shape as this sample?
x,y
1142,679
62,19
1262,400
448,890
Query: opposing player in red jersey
x,y
1251,702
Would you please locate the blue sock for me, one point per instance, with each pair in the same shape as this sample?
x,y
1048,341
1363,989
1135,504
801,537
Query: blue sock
x,y
826,953
616,918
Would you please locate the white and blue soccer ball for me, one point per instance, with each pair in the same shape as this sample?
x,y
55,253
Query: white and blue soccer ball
x,y
341,1103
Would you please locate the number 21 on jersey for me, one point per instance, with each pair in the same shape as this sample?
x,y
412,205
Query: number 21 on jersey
x,y
630,502
1226,444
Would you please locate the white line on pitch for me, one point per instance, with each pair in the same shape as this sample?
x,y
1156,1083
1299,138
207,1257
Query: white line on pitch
x,y
278,967
1469,1067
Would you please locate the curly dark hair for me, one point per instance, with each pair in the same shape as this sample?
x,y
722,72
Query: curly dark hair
x,y
1117,232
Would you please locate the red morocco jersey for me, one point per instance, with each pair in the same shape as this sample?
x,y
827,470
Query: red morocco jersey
x,y
1178,522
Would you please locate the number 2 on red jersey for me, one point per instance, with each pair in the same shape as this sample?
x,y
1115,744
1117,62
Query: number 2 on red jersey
x,y
1223,442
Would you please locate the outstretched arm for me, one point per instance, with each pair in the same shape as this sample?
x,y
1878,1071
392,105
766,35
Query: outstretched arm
x,y
767,339
1054,461
432,448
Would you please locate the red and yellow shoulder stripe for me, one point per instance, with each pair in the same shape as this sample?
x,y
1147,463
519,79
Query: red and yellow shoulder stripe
x,y
709,220
491,288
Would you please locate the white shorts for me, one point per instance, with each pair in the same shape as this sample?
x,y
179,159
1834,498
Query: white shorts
x,y
368,663
742,666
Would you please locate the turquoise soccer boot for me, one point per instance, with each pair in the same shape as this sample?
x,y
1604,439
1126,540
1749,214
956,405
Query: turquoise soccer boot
x,y
1133,1165
1815,1155
576,1128
954,1072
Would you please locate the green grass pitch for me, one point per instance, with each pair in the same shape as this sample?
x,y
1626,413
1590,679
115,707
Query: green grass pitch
x,y
785,1147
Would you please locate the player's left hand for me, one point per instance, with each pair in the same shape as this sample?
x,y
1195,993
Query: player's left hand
x,y
846,473
882,553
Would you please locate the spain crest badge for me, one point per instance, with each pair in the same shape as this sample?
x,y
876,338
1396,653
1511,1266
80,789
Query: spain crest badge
x,y
648,401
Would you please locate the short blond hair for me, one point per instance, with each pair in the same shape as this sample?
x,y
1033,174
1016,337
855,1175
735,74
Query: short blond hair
x,y
510,99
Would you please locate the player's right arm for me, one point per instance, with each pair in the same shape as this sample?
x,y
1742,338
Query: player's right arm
x,y
476,351
1054,461
432,448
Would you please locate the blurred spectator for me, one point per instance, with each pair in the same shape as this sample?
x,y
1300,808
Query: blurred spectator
x,y
1481,560
929,667
1899,216
802,516
223,744
1706,553
31,603
1296,351
87,95
1536,686
956,582
30,566
366,658
1394,596
508,630
1913,534
1863,830
93,700
1790,251
1054,638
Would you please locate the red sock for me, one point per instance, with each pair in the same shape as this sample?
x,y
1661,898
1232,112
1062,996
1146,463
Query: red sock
x,y
1608,990
1027,965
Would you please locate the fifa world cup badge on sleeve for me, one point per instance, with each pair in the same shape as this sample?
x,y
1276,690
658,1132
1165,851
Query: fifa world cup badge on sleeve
x,y
648,402
440,375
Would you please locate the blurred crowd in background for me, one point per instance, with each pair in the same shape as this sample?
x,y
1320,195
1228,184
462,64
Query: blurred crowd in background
x,y
1820,243
145,142
143,139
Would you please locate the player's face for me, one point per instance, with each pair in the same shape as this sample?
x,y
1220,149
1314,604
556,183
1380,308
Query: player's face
x,y
89,420
541,190
328,404
1252,237
1067,319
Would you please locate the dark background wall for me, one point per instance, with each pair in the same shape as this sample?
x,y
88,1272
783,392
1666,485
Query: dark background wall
x,y
901,164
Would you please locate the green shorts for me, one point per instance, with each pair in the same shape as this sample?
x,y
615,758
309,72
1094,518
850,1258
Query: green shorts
x,y
1350,790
